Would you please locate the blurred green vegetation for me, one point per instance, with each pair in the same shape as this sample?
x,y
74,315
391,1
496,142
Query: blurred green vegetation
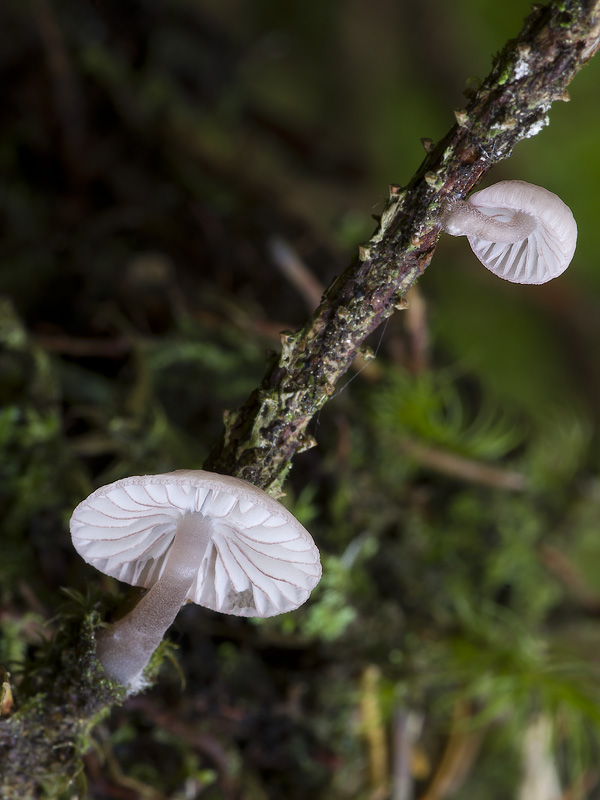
x,y
149,154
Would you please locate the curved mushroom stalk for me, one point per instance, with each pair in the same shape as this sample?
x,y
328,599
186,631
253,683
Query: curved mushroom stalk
x,y
190,535
125,648
464,219
520,232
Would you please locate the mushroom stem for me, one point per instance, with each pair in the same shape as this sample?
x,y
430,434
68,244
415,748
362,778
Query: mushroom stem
x,y
463,219
125,648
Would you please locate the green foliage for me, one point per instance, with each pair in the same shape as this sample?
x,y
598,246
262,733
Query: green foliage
x,y
510,674
169,408
331,611
62,695
462,561
430,407
559,447
33,451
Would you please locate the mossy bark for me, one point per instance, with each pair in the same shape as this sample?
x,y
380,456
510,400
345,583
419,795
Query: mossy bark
x,y
42,735
67,694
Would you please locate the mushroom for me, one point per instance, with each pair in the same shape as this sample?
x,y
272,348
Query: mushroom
x,y
521,232
190,535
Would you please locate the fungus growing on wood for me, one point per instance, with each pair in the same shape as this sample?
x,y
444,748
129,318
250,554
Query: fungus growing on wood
x,y
520,232
196,536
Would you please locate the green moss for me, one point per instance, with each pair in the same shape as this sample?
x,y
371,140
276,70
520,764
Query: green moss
x,y
65,694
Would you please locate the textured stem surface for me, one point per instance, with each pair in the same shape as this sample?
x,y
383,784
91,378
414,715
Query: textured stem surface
x,y
125,648
464,219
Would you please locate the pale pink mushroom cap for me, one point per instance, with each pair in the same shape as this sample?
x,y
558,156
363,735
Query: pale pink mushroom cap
x,y
541,256
260,560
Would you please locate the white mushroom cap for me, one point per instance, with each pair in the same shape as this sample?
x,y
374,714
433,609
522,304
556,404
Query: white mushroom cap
x,y
260,560
549,231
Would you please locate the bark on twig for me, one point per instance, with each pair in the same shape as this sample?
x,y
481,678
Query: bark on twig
x,y
532,71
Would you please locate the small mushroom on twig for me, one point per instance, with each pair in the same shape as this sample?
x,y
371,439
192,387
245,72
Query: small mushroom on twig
x,y
196,536
520,232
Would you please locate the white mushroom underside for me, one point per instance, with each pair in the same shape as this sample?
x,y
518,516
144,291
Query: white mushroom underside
x,y
546,252
259,563
536,259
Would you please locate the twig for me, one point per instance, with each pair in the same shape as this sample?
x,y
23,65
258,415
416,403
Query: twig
x,y
418,331
373,731
407,726
68,98
582,787
531,72
287,260
298,274
562,568
85,348
540,779
6,695
465,469
139,788
459,755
